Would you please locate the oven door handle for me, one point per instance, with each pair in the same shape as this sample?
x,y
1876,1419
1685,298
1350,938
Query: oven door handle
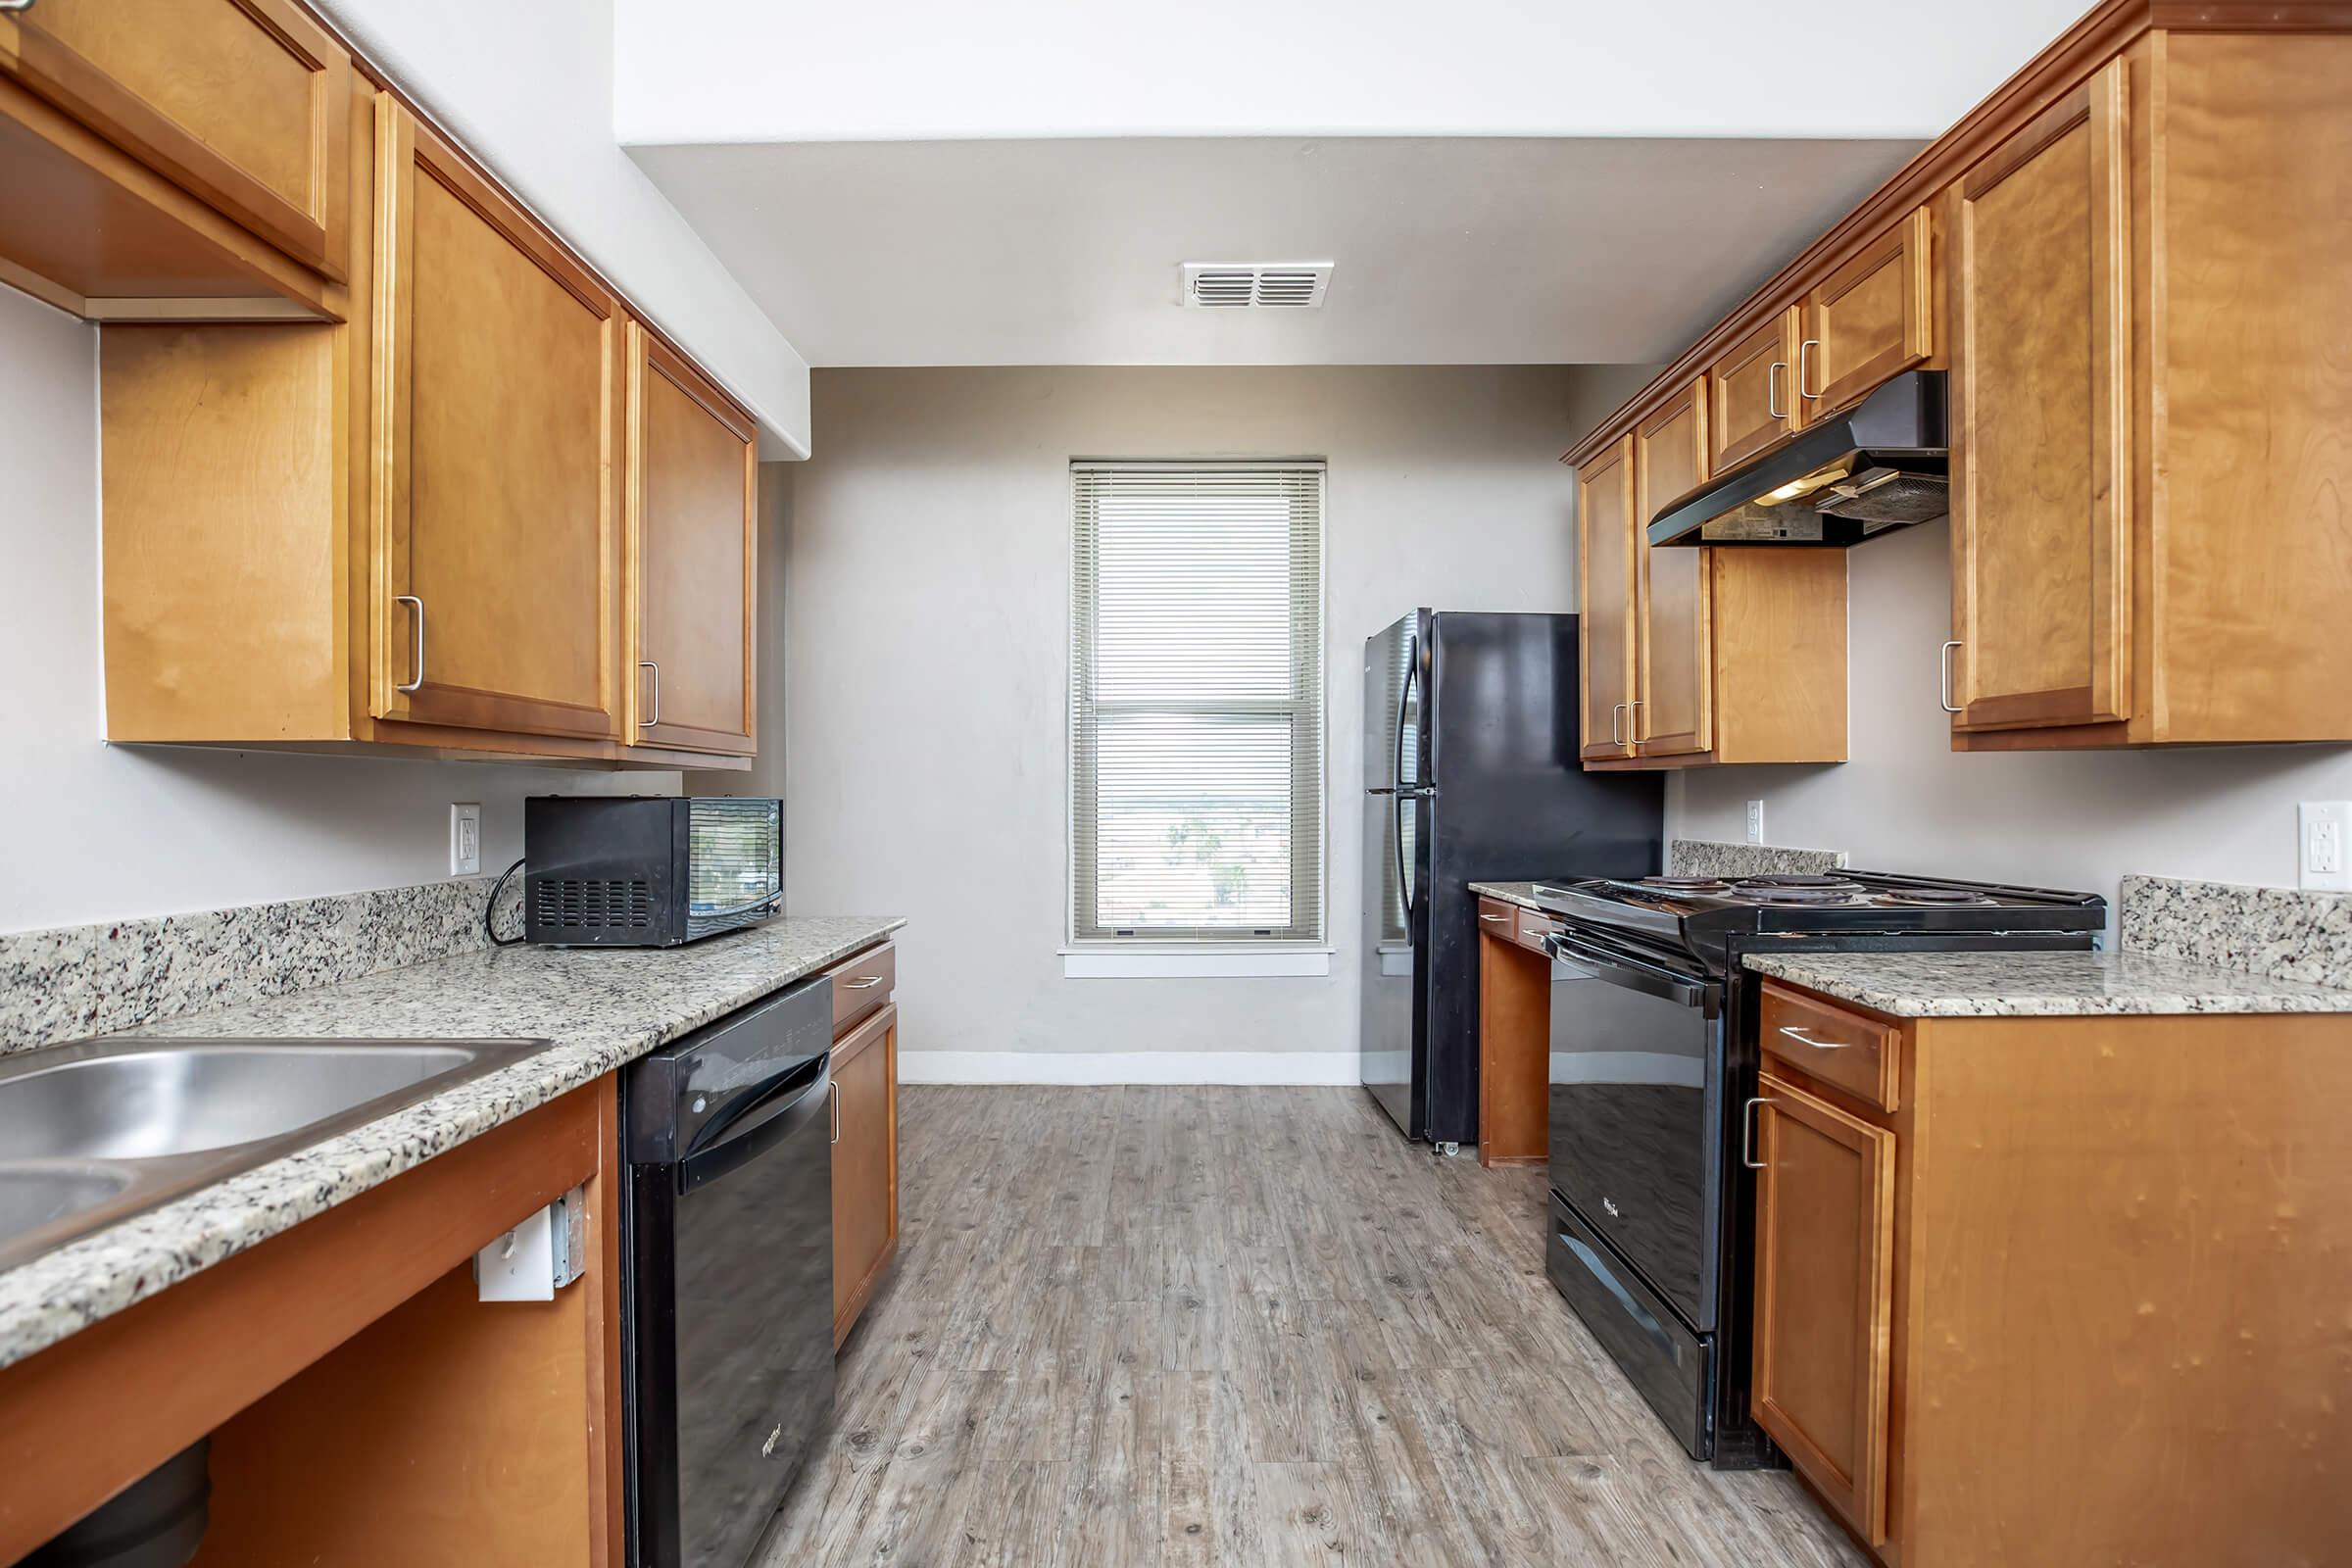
x,y
1619,970
763,1123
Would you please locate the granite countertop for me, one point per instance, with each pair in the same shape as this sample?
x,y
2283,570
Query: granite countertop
x,y
1523,893
600,1010
2041,985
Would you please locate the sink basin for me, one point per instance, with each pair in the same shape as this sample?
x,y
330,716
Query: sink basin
x,y
93,1133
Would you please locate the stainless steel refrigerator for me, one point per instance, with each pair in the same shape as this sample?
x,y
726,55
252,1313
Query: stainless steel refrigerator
x,y
1470,774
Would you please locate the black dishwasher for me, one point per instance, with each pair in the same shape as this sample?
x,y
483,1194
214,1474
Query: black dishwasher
x,y
730,1324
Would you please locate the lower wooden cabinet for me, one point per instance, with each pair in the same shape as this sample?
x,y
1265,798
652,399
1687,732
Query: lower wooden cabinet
x,y
1514,1032
1824,1222
865,1131
2064,1303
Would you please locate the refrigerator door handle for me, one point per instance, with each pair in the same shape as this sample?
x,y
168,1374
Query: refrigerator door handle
x,y
1404,872
1404,705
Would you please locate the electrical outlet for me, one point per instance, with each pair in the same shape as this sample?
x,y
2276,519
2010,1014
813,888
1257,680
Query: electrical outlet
x,y
1755,821
464,839
2323,829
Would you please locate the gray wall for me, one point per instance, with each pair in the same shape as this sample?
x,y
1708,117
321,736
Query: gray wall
x,y
925,654
1906,802
98,832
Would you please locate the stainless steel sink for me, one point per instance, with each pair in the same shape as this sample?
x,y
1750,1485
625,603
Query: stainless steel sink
x,y
93,1133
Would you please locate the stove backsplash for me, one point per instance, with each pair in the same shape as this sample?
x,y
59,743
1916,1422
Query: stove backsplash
x,y
2285,933
1706,857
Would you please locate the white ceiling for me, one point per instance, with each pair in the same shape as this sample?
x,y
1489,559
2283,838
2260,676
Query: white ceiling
x,y
1449,251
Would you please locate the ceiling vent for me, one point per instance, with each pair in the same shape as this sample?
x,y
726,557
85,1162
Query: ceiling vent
x,y
1259,286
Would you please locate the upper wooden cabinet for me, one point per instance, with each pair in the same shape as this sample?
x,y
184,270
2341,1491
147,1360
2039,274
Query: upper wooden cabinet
x,y
1699,656
1605,532
1872,318
404,532
241,102
1754,392
692,552
495,518
2041,492
1672,688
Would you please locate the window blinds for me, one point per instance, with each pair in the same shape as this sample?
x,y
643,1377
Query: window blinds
x,y
1197,701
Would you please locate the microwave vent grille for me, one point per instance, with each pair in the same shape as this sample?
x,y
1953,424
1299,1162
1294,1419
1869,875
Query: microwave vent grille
x,y
579,904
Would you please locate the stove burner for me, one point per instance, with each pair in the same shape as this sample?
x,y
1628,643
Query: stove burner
x,y
1684,884
1933,897
1838,884
1834,893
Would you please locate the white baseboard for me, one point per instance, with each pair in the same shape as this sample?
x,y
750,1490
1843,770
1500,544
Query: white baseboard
x,y
1127,1067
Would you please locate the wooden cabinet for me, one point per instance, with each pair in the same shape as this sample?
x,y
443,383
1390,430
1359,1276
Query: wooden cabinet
x,y
495,520
1605,532
1821,1362
694,473
1871,320
1671,616
1515,1034
1753,393
463,1431
2076,1246
865,1131
242,103
2041,382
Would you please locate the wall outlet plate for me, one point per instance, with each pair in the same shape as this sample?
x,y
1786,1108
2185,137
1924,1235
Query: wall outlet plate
x,y
1755,821
2324,845
464,839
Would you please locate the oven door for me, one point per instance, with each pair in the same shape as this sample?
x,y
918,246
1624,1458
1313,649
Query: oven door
x,y
1636,1074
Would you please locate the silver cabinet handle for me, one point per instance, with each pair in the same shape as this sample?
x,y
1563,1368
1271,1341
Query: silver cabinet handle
x,y
1796,1032
1617,724
1804,356
1493,918
1946,676
417,649
1633,720
864,982
1772,390
833,1107
655,718
1747,1133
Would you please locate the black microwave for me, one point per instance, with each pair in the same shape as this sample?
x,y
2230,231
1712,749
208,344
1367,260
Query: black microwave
x,y
648,871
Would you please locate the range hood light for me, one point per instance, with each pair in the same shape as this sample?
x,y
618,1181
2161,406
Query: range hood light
x,y
1806,486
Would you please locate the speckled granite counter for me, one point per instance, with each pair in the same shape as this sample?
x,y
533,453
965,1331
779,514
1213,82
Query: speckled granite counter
x,y
601,1009
1523,893
2036,985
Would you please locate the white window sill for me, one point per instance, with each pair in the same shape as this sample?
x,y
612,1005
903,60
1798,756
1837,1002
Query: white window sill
x,y
1107,963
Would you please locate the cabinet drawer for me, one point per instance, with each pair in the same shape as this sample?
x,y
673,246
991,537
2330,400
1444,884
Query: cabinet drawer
x,y
1534,927
1496,918
1824,1040
245,104
862,984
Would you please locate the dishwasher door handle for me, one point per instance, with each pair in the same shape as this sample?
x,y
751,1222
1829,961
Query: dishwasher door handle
x,y
760,1132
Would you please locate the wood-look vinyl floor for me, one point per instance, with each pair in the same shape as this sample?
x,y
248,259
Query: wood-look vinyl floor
x,y
1227,1328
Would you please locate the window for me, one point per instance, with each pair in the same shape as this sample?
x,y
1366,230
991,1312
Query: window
x,y
1197,701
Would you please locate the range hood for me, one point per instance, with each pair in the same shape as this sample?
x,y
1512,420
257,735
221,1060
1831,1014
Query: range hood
x,y
1883,463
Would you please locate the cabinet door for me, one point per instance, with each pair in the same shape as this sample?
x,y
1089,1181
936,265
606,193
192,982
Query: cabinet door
x,y
1754,387
1671,704
694,473
498,435
1870,321
2041,382
1824,1296
1604,552
243,103
865,1165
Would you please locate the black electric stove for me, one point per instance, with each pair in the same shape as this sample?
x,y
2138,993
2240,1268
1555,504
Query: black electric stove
x,y
1653,1055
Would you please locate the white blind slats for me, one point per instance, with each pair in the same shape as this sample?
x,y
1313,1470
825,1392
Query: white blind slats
x,y
1197,701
